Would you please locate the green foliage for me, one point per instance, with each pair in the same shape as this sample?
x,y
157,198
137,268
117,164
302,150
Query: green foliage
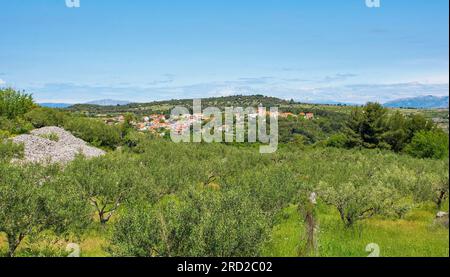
x,y
15,126
104,182
429,144
366,126
14,103
206,222
50,136
30,204
216,200
12,106
4,134
94,132
372,127
433,185
88,129
134,140
41,117
409,237
10,150
357,202
396,134
300,141
127,127
337,141
165,199
416,123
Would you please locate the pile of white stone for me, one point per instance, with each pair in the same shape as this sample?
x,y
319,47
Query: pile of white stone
x,y
54,145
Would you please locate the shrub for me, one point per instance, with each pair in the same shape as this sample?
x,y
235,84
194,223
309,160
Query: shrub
x,y
204,222
133,139
433,183
41,117
4,134
93,131
14,104
15,126
357,202
30,204
337,140
105,183
51,136
10,150
366,126
429,144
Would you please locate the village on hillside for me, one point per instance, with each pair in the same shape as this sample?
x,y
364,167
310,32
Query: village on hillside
x,y
159,123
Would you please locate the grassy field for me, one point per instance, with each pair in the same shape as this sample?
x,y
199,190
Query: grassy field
x,y
414,236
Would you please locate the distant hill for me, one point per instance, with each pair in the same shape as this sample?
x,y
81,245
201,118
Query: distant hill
x,y
103,102
334,103
167,105
108,102
55,105
421,102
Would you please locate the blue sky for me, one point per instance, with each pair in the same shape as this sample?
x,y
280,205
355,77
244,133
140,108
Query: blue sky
x,y
308,50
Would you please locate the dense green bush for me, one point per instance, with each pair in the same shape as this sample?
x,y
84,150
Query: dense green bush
x,y
357,201
429,144
372,127
10,150
366,126
204,222
93,131
14,103
31,203
41,117
105,183
15,126
337,140
432,183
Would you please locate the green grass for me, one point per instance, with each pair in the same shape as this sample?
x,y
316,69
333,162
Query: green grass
x,y
50,136
414,236
93,243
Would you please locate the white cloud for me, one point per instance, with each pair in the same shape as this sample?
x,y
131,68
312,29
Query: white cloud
x,y
358,93
2,82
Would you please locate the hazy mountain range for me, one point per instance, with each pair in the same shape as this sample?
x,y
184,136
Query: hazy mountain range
x,y
108,102
421,102
102,102
55,105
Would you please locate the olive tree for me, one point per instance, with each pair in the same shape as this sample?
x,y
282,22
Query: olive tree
x,y
357,202
31,202
104,182
440,189
200,222
432,187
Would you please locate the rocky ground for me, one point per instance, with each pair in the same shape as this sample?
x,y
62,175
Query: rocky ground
x,y
54,145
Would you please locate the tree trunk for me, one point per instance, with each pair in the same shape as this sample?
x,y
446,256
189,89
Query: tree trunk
x,y
342,215
440,199
13,243
348,221
102,218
